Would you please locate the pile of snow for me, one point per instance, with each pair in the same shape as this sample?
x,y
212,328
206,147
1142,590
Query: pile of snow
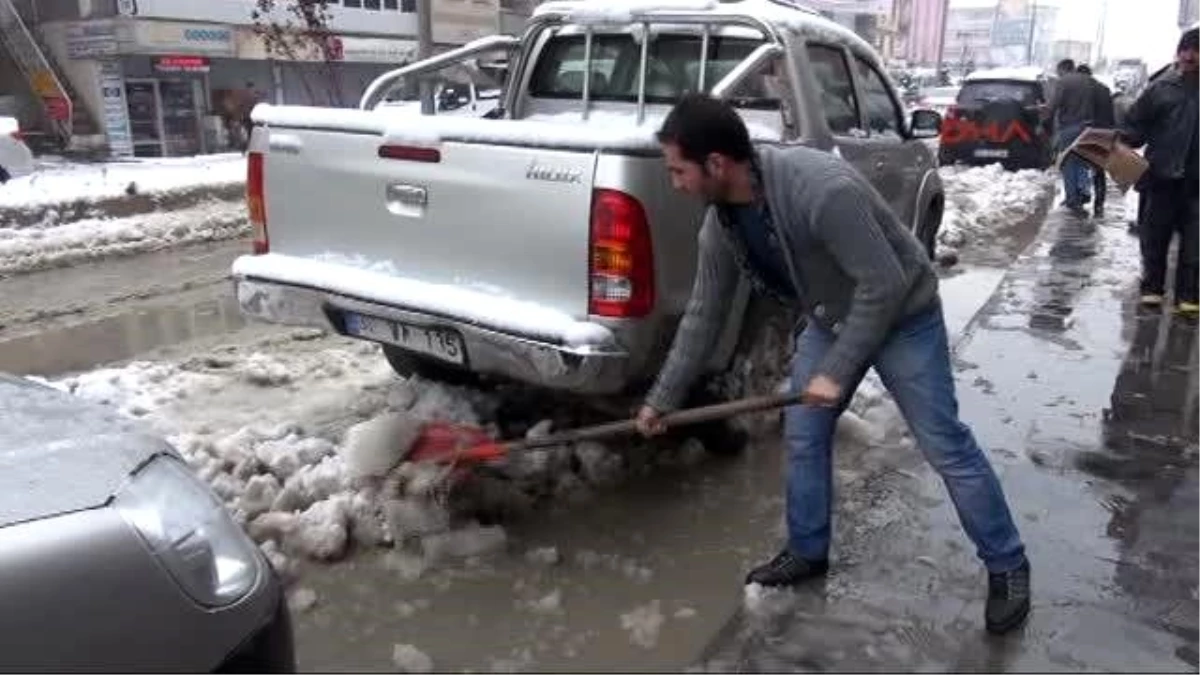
x,y
26,249
981,199
302,438
58,183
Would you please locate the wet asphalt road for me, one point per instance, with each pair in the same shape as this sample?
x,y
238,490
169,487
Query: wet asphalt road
x,y
1088,408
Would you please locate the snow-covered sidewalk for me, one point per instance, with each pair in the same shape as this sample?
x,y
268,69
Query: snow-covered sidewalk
x,y
57,183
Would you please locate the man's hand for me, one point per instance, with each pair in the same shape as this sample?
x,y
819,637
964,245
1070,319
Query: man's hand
x,y
649,422
822,392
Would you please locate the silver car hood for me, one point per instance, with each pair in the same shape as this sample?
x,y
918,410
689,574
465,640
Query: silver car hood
x,y
59,453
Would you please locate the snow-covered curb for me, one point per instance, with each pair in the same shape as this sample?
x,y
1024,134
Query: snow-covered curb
x,y
32,248
65,183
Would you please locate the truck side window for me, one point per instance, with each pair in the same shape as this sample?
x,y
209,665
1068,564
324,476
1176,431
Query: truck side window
x,y
883,117
837,89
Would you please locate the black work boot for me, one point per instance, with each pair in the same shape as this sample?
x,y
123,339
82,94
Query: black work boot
x,y
786,569
1008,599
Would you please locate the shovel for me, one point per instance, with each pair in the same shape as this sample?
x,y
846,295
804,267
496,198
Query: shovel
x,y
441,442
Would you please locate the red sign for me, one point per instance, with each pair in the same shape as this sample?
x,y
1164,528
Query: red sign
x,y
181,64
957,130
58,108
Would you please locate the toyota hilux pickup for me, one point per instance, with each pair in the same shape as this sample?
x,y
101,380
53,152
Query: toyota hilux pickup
x,y
542,243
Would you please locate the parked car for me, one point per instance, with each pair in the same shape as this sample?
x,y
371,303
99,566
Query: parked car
x,y
938,99
115,557
15,157
547,246
997,118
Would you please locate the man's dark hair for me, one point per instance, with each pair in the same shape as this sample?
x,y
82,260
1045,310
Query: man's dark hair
x,y
701,125
1189,41
1084,68
1066,66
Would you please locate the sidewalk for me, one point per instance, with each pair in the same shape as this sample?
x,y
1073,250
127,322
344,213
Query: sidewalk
x,y
1088,411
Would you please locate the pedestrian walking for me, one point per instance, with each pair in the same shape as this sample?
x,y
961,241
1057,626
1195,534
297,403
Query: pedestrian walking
x,y
806,227
1071,109
1104,116
1164,119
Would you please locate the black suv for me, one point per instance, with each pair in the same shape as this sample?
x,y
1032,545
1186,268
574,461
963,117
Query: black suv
x,y
997,118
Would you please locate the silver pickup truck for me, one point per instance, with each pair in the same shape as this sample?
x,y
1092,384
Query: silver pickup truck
x,y
543,243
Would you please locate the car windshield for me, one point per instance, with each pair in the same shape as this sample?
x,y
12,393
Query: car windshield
x,y
672,69
986,91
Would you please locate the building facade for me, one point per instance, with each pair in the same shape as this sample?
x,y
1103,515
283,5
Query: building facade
x,y
177,77
1189,13
920,29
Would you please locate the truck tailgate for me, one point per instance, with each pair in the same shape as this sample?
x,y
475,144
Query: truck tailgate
x,y
473,219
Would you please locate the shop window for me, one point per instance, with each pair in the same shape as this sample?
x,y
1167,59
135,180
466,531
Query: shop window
x,y
391,4
408,6
352,3
371,4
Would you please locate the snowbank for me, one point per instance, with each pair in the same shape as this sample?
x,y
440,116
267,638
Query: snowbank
x,y
58,183
981,199
30,248
270,427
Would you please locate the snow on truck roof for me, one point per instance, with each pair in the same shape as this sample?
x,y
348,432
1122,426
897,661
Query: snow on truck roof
x,y
791,15
1021,74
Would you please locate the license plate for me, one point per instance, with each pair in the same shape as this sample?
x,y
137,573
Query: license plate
x,y
992,153
440,343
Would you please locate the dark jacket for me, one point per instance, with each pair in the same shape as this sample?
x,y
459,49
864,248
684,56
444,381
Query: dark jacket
x,y
1164,119
856,269
1104,114
1072,101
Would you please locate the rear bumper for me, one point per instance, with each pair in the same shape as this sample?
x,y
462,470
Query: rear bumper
x,y
583,369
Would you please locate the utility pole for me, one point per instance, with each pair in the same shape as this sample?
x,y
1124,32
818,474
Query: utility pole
x,y
424,51
1032,32
941,44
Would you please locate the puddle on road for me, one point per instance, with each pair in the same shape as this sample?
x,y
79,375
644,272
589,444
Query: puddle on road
x,y
671,547
116,337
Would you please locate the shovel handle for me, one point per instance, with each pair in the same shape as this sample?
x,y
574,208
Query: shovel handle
x,y
679,418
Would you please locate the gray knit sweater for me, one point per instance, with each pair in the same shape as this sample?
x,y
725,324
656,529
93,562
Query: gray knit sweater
x,y
857,270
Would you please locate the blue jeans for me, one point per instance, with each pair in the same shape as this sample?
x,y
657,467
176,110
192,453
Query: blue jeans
x,y
914,365
1076,173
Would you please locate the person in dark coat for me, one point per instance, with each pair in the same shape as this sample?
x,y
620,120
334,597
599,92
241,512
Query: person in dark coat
x,y
1070,110
1104,116
1164,119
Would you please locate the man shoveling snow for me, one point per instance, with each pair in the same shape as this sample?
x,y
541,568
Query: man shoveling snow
x,y
805,227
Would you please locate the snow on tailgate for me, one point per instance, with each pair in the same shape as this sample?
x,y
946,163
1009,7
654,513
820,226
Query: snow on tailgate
x,y
622,11
379,283
606,132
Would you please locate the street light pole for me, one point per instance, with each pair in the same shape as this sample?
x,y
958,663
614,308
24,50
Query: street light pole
x,y
1032,31
424,51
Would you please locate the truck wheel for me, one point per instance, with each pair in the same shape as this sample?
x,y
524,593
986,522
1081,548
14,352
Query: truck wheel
x,y
407,364
760,364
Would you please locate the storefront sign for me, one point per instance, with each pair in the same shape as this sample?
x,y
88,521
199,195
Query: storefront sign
x,y
174,37
461,21
181,64
116,109
378,50
253,47
91,39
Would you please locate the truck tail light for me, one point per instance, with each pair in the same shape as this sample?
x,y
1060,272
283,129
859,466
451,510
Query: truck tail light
x,y
256,202
621,257
411,153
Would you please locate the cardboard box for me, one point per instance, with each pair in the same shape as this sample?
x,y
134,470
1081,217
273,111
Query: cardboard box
x,y
1102,149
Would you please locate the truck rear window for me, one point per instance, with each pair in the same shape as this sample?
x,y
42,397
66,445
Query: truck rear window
x,y
672,69
1026,93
